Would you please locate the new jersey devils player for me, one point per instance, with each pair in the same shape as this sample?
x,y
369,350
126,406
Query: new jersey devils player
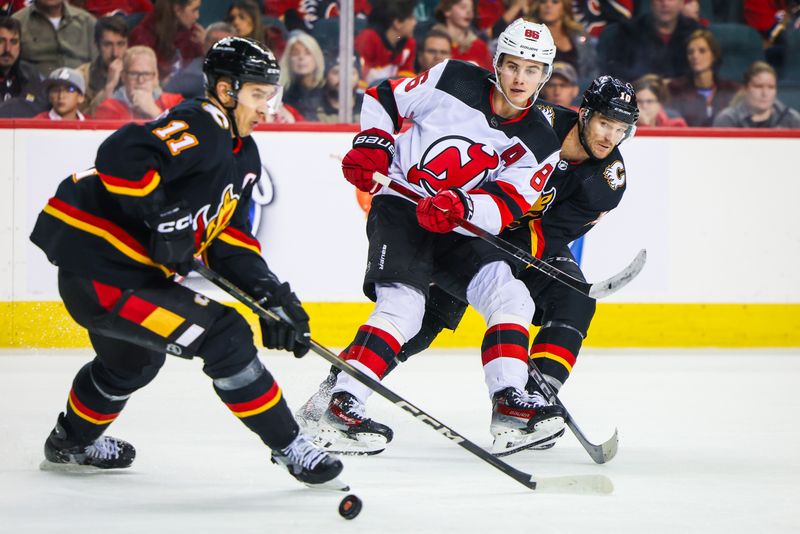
x,y
478,149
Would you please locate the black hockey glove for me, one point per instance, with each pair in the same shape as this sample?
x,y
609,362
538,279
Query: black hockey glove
x,y
292,332
172,240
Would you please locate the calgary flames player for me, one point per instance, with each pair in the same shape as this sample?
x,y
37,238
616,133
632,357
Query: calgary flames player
x,y
161,194
478,149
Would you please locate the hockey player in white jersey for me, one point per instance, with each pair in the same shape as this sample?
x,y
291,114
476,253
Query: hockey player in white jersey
x,y
478,149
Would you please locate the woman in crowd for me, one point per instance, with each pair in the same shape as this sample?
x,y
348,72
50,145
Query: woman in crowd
x,y
455,17
757,105
702,94
171,30
302,75
245,16
651,94
572,42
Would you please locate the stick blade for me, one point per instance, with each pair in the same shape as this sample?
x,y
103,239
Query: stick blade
x,y
618,281
576,485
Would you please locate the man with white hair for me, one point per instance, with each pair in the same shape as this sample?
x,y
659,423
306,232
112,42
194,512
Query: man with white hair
x,y
140,96
477,150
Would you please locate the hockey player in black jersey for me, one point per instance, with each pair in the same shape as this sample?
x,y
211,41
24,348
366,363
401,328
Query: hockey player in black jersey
x,y
478,148
160,195
588,182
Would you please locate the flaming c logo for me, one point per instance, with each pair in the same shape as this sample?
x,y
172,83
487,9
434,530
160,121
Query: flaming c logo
x,y
207,228
452,161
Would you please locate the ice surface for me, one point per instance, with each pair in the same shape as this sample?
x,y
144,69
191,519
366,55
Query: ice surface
x,y
708,444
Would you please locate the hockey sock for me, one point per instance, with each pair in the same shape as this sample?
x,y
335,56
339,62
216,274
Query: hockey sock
x,y
372,350
90,409
256,399
504,353
554,351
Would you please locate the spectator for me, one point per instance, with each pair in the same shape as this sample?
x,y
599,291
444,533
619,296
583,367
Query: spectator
x,y
171,30
651,94
245,17
18,79
386,46
302,74
562,87
495,15
653,42
304,14
103,74
595,15
455,17
108,8
56,34
65,89
189,81
329,108
572,42
701,94
757,105
436,47
691,10
140,97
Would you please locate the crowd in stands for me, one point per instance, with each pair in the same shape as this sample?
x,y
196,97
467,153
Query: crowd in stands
x,y
691,62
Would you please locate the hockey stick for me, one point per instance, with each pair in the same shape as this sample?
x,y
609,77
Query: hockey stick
x,y
596,290
571,484
600,453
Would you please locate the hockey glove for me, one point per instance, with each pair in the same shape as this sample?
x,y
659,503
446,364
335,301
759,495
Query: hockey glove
x,y
372,151
435,213
292,332
172,240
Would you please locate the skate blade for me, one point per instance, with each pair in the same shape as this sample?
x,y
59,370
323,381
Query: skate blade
x,y
336,441
512,440
331,485
74,469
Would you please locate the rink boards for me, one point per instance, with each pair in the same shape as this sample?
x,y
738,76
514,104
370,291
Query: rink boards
x,y
714,208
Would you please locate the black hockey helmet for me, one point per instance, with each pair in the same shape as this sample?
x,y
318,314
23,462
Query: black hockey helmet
x,y
613,98
241,60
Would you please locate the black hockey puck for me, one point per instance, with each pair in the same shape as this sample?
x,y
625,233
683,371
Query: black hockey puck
x,y
350,507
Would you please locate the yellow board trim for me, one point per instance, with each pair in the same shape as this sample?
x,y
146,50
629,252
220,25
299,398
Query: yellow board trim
x,y
47,325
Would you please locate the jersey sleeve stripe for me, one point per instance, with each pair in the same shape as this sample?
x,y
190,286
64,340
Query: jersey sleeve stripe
x,y
102,228
134,188
236,238
537,238
512,205
384,94
506,217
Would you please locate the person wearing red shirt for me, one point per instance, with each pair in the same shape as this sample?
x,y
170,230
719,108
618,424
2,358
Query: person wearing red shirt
x,y
101,8
140,97
171,30
455,17
386,46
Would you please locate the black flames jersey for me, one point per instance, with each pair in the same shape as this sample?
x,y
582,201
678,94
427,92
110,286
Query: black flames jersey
x,y
457,141
95,225
576,196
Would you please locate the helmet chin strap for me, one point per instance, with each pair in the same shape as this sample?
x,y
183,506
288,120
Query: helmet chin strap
x,y
583,123
534,96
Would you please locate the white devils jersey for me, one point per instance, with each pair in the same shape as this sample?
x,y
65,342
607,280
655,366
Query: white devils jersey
x,y
457,141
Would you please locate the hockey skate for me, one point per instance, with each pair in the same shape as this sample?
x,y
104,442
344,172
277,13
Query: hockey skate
x,y
309,415
310,465
344,428
522,420
104,453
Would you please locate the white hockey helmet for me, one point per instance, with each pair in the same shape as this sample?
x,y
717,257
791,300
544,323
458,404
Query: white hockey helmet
x,y
527,40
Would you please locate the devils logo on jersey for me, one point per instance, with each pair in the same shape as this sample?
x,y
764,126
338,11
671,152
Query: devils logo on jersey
x,y
452,161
